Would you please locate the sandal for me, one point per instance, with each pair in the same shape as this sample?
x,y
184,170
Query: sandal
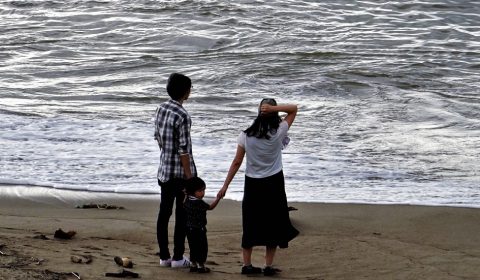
x,y
250,269
203,270
270,271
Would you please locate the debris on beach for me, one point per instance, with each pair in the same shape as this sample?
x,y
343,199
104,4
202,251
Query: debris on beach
x,y
86,259
14,260
1,247
60,234
103,206
125,262
41,236
37,261
123,274
61,274
291,208
18,265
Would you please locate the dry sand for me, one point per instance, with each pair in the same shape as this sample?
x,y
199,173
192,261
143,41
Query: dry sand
x,y
337,241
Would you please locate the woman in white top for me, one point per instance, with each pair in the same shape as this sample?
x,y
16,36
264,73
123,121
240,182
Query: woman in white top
x,y
265,217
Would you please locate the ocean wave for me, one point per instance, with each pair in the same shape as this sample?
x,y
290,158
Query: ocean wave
x,y
387,93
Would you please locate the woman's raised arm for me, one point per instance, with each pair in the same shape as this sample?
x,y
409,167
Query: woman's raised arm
x,y
290,109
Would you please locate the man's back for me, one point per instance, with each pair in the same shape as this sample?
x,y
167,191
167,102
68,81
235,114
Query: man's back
x,y
172,132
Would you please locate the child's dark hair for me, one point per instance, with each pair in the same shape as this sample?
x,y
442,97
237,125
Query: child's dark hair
x,y
194,184
264,123
178,85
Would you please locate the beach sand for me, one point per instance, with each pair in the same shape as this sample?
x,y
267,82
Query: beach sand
x,y
337,241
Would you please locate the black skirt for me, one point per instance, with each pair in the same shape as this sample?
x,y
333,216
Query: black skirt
x,y
265,216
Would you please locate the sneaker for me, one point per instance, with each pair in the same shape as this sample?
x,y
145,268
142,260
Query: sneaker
x,y
185,262
250,269
166,263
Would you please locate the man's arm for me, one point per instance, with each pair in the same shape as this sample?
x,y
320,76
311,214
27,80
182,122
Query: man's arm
x,y
183,146
185,160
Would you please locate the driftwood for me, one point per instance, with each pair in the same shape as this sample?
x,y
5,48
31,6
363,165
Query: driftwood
x,y
60,274
123,274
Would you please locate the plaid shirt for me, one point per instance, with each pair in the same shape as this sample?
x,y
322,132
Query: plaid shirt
x,y
172,132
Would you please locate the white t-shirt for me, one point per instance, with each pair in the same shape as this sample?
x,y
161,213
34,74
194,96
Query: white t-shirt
x,y
264,157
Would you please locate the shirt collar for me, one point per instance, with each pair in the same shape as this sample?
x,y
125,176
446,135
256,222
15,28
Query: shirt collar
x,y
175,102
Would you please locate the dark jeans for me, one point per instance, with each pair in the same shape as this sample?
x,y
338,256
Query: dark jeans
x,y
197,241
171,190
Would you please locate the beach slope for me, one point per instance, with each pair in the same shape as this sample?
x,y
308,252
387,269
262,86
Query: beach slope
x,y
337,241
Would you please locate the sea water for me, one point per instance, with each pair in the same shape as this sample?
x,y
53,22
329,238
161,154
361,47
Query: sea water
x,y
388,93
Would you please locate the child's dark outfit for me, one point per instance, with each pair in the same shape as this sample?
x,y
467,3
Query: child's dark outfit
x,y
196,210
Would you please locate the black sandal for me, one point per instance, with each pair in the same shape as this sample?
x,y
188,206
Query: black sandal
x,y
250,269
270,271
203,270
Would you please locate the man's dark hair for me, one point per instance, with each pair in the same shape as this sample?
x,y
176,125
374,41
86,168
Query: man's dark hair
x,y
178,85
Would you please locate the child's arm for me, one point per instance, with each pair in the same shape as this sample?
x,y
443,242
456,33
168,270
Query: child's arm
x,y
214,203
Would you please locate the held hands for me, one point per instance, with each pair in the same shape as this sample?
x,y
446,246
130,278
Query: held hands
x,y
221,193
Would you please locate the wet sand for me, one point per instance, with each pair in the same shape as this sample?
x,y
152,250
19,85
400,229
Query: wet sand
x,y
337,241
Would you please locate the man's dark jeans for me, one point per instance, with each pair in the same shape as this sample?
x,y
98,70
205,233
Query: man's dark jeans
x,y
172,191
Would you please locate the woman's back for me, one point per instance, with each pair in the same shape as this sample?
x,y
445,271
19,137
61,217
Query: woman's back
x,y
264,156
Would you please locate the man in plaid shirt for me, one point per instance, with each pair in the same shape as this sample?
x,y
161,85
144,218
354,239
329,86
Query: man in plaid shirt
x,y
172,132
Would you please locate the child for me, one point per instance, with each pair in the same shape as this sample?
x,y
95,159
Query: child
x,y
196,210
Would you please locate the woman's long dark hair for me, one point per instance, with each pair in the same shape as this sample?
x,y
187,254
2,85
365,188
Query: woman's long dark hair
x,y
264,123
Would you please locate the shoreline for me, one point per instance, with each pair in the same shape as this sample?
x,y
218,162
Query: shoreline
x,y
17,190
336,241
